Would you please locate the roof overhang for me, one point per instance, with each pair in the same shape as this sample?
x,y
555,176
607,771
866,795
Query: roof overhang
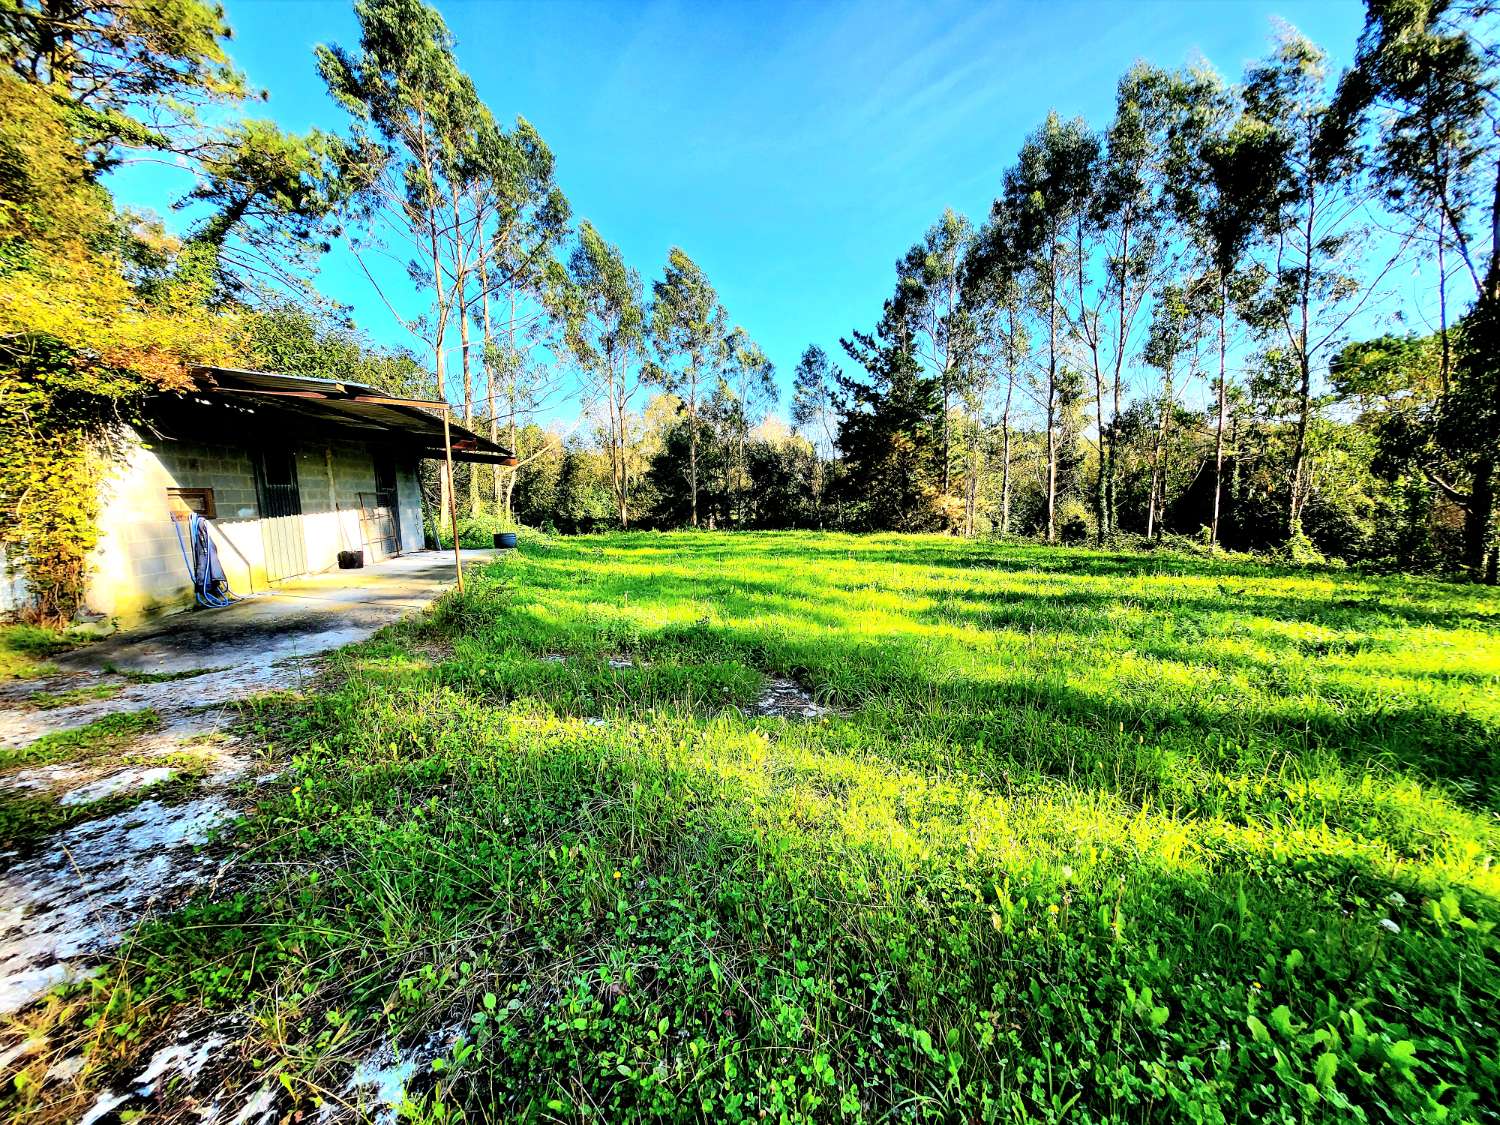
x,y
344,408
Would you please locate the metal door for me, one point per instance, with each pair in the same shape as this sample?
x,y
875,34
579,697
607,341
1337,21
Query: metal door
x,y
385,480
281,514
380,514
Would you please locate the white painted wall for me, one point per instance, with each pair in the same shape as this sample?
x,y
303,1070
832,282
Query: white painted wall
x,y
138,569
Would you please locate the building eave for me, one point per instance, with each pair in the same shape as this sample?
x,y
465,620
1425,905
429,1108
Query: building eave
x,y
346,406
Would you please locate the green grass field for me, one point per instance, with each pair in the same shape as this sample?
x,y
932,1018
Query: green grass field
x,y
1087,836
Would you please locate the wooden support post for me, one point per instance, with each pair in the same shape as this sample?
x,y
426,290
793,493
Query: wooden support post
x,y
458,566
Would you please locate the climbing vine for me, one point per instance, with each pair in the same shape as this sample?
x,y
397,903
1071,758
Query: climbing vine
x,y
59,436
83,339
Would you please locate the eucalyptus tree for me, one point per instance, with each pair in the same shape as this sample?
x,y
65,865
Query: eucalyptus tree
x,y
1177,329
813,412
602,307
1227,177
1089,290
467,148
1130,219
994,305
1431,70
523,218
1046,194
413,115
813,383
689,328
1428,72
930,276
1320,233
747,389
1002,351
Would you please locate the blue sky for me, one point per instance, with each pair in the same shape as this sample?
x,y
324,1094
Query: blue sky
x,y
793,150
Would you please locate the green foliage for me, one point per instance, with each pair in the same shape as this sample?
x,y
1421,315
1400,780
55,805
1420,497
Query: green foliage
x,y
24,649
135,73
1429,74
293,340
690,330
78,348
1091,836
886,435
95,313
476,531
49,472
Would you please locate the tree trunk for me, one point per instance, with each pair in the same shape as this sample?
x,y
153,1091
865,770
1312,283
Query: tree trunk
x,y
947,388
1299,452
693,446
1213,529
1304,394
445,489
976,470
439,334
1005,468
1010,390
1052,401
507,500
1158,459
1151,494
1445,356
460,291
1481,360
489,379
1479,515
1101,527
1111,476
618,472
1101,521
512,366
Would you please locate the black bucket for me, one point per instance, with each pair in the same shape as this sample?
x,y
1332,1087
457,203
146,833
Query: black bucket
x,y
505,540
351,560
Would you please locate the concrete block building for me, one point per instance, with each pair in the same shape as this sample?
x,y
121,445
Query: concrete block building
x,y
288,472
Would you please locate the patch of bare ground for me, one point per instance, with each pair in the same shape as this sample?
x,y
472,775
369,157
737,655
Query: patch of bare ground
x,y
199,1073
434,650
782,698
73,896
210,688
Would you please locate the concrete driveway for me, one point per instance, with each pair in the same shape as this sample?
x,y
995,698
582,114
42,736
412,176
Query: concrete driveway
x,y
180,771
300,617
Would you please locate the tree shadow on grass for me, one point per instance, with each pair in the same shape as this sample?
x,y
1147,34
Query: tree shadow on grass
x,y
1459,751
1360,616
901,932
1361,604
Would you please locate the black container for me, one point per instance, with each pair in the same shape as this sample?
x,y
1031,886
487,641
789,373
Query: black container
x,y
351,560
505,540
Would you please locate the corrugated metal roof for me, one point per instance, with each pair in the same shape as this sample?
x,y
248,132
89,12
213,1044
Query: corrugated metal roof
x,y
345,404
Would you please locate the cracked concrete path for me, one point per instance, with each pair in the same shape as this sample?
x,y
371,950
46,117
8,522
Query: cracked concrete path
x,y
77,893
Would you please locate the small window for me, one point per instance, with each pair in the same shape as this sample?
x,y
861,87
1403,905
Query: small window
x,y
185,500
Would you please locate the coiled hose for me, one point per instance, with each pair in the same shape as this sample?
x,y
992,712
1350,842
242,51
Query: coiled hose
x,y
210,587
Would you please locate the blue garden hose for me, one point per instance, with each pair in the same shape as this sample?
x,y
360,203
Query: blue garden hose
x,y
210,586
